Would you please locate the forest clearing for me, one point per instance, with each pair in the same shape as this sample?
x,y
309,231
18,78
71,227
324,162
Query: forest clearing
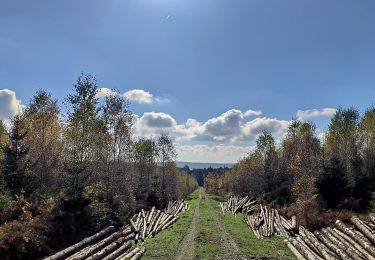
x,y
89,187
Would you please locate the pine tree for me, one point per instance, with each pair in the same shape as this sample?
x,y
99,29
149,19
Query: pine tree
x,y
16,165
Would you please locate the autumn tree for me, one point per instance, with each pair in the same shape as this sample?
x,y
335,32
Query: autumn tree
x,y
119,120
44,138
168,170
85,140
145,155
301,156
4,138
342,152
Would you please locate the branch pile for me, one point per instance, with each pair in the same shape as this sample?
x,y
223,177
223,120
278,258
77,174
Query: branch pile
x,y
109,244
236,204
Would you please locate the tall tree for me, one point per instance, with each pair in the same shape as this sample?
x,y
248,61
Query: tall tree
x,y
301,157
44,138
16,166
342,153
266,148
85,136
4,138
119,120
167,158
145,154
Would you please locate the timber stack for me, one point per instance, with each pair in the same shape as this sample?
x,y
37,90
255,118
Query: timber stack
x,y
352,240
266,222
355,240
112,244
236,204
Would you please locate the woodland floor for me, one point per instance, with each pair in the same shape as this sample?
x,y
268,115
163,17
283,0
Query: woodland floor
x,y
204,232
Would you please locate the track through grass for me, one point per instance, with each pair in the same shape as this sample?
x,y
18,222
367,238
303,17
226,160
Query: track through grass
x,y
212,236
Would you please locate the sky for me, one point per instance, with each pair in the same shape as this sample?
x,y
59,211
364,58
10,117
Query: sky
x,y
212,73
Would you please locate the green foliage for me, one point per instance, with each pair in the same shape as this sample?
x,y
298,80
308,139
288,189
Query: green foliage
x,y
16,164
103,210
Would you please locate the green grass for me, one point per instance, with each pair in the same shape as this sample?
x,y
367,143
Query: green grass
x,y
273,247
165,244
207,243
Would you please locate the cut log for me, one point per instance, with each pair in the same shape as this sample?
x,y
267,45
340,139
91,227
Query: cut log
x,y
83,254
82,244
121,250
363,228
107,250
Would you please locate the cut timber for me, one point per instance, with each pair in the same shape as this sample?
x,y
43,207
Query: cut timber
x,y
85,253
121,250
294,250
107,250
363,228
362,241
85,242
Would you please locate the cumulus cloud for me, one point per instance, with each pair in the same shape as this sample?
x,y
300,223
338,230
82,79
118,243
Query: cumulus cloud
x,y
216,154
252,113
305,114
154,123
254,127
9,104
229,127
139,95
225,125
103,92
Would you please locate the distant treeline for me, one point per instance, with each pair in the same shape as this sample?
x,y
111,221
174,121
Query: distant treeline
x,y
200,174
63,177
336,171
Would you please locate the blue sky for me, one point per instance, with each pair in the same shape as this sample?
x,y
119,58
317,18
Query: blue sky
x,y
199,59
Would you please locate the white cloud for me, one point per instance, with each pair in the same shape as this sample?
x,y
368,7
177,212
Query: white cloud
x,y
305,114
139,95
103,92
229,127
252,113
9,104
215,154
154,123
226,125
251,129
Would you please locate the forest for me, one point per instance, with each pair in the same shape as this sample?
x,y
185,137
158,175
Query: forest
x,y
316,178
65,176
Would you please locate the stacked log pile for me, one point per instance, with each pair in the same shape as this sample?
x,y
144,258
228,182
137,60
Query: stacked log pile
x,y
354,240
268,222
110,244
236,204
342,241
148,223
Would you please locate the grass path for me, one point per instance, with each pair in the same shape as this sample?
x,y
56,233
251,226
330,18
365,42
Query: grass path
x,y
186,248
204,232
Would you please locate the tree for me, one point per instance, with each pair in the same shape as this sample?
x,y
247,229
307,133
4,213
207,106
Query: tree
x,y
44,138
16,165
4,138
301,157
265,147
85,140
145,153
341,151
167,158
119,121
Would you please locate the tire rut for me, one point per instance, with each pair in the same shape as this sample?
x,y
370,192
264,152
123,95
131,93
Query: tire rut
x,y
186,248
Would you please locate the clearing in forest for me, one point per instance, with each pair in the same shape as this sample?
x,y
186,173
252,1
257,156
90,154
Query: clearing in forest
x,y
204,232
